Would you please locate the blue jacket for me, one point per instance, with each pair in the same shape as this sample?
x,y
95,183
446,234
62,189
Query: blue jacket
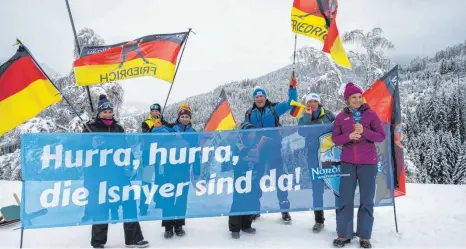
x,y
179,127
264,118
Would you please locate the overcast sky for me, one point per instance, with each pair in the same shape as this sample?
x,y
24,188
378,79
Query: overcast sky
x,y
235,39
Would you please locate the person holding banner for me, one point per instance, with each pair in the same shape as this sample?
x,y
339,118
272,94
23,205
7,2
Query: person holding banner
x,y
315,113
249,151
356,129
105,122
265,114
153,121
176,206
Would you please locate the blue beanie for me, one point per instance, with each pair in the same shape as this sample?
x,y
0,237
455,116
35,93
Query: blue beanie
x,y
259,91
104,104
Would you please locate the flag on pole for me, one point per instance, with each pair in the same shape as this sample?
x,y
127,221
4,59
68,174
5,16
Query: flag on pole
x,y
153,55
384,98
222,116
317,19
25,91
297,109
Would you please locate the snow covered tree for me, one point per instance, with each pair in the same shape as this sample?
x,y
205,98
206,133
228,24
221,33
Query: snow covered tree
x,y
459,172
87,37
372,63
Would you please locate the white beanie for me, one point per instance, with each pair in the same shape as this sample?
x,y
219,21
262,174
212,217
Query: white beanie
x,y
313,96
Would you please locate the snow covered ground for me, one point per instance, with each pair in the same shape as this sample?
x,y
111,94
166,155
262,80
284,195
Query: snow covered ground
x,y
429,216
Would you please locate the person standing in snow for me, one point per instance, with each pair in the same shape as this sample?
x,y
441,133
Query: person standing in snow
x,y
248,149
105,122
154,120
265,114
356,129
176,206
315,113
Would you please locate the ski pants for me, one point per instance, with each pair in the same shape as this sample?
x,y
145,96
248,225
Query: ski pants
x,y
133,233
350,175
239,222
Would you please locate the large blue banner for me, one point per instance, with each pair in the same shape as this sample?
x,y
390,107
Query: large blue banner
x,y
91,178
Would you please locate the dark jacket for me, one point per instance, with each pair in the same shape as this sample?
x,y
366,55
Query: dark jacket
x,y
362,151
96,125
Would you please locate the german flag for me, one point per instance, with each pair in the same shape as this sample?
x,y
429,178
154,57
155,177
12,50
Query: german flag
x,y
25,91
153,55
384,98
317,19
297,109
222,117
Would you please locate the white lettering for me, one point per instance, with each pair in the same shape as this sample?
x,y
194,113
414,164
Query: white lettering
x,y
153,154
47,156
103,156
69,157
126,157
247,182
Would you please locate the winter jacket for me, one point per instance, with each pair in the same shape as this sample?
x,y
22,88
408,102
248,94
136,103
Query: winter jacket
x,y
264,117
148,124
179,127
362,151
325,117
96,125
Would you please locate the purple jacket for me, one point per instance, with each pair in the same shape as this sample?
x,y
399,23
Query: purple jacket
x,y
363,151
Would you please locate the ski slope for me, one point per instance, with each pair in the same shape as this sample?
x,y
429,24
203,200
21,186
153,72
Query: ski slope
x,y
429,216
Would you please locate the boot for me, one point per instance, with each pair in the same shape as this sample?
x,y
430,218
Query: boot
x,y
235,235
140,244
286,217
168,232
318,227
250,230
179,231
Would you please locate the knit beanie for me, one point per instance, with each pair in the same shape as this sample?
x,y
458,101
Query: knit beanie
x,y
184,109
351,89
104,104
313,96
259,91
155,107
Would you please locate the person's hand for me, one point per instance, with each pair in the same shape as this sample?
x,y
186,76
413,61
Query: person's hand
x,y
308,111
293,82
354,136
358,128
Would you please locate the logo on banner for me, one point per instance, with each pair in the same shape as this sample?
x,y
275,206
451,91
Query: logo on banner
x,y
329,164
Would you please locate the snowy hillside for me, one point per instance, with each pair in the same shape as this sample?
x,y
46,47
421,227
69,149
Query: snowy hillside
x,y
421,225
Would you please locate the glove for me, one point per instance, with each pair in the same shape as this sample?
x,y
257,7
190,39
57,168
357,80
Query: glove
x,y
293,82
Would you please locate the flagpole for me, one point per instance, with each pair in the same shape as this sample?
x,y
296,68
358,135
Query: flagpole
x,y
79,50
42,70
176,70
294,54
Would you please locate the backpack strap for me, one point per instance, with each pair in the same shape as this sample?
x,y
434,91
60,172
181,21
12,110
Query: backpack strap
x,y
277,118
248,114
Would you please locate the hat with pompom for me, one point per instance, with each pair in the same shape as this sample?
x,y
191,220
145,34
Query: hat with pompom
x,y
259,91
184,109
351,89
